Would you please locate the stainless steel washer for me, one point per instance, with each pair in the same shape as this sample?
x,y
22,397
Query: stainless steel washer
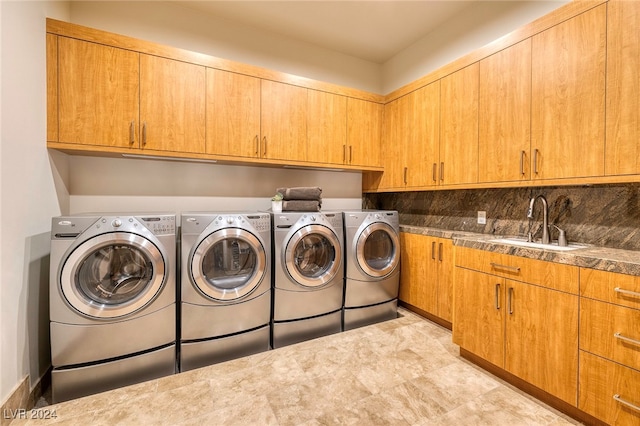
x,y
308,276
372,273
225,287
112,299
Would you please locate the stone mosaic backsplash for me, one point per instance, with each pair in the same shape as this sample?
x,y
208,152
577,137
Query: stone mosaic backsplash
x,y
602,215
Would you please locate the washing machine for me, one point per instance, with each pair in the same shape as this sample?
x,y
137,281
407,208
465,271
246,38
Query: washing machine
x,y
372,258
308,276
225,287
112,301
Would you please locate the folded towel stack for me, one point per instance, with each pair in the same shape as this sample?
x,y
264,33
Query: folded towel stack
x,y
301,199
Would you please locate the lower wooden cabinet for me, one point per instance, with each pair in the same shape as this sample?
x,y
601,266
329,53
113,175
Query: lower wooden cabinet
x,y
426,274
529,330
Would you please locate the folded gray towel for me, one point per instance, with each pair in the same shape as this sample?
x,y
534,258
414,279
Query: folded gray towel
x,y
301,193
301,206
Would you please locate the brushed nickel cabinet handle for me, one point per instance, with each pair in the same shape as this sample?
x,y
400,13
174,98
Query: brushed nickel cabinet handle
x,y
442,171
508,268
535,161
626,339
132,132
433,250
405,175
435,172
626,292
144,133
510,301
350,154
631,405
257,145
498,296
522,154
264,146
440,252
344,154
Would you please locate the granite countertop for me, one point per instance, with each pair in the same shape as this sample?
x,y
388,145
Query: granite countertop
x,y
602,258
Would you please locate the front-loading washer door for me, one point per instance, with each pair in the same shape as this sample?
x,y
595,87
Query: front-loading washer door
x,y
228,264
112,275
312,257
377,250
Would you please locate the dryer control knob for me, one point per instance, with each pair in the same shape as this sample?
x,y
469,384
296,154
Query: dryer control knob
x,y
117,223
379,217
313,218
229,220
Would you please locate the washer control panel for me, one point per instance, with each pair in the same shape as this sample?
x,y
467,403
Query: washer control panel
x,y
159,225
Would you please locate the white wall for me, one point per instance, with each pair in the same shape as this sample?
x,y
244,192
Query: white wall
x,y
27,193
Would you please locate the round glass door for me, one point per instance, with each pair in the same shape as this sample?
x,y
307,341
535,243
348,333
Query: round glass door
x,y
112,275
228,264
313,255
377,250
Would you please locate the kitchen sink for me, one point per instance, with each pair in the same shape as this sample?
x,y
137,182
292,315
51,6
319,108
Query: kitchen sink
x,y
522,242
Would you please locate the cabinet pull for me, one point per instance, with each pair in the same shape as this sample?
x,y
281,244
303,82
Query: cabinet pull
x,y
618,398
440,252
405,175
442,171
522,154
257,146
132,132
535,161
264,146
498,296
144,133
627,292
626,339
510,301
509,268
435,172
433,250
344,154
350,154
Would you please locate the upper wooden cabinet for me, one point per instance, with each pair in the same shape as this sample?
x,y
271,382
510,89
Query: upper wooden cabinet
x,y
364,132
233,114
284,121
98,94
623,88
568,97
504,134
459,126
172,105
326,128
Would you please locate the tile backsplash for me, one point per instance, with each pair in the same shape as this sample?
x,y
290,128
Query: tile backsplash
x,y
603,215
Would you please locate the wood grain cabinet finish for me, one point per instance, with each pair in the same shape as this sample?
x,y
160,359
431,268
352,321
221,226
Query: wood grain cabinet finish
x,y
426,281
610,346
504,134
459,127
98,94
623,88
568,97
527,329
233,114
327,128
364,132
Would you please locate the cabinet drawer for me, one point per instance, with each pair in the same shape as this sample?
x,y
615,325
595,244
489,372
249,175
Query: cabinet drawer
x,y
547,274
610,331
610,287
600,381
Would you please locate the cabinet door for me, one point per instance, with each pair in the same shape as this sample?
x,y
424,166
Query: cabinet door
x,y
413,270
478,316
421,144
364,132
445,279
542,338
326,128
568,84
284,121
172,105
52,87
392,151
98,94
233,114
504,137
459,126
622,155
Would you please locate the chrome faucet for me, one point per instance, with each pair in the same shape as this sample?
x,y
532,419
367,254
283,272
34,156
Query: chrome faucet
x,y
546,239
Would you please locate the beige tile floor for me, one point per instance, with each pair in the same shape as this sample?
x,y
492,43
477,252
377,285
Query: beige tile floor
x,y
400,372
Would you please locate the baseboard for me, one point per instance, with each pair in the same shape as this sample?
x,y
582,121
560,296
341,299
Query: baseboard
x,y
22,399
441,322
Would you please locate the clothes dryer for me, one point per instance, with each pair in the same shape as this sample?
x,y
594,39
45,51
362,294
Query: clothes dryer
x,y
225,287
112,301
309,276
372,274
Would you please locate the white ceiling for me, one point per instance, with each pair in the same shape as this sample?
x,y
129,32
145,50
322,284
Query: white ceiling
x,y
374,31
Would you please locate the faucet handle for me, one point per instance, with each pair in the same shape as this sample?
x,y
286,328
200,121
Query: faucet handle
x,y
562,236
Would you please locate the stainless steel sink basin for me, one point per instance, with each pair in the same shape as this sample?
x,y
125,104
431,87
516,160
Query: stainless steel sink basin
x,y
522,242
